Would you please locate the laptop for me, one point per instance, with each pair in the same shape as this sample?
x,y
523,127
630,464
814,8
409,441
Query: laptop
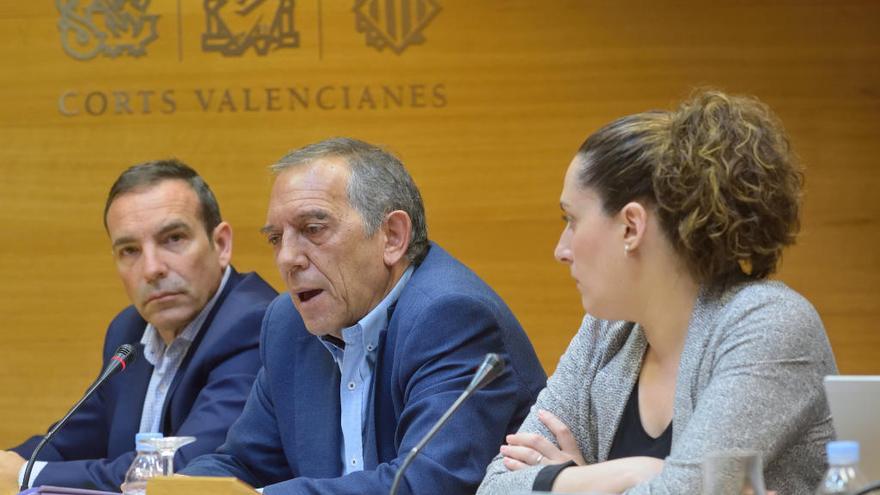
x,y
855,410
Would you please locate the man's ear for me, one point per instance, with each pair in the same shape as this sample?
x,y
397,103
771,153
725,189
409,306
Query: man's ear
x,y
634,217
397,229
221,239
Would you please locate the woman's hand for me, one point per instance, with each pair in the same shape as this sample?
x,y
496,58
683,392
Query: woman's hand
x,y
531,449
614,476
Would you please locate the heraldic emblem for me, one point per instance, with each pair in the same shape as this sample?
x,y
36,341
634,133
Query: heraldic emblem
x,y
395,24
236,25
105,27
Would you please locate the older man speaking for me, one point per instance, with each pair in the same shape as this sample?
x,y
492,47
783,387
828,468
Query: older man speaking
x,y
379,334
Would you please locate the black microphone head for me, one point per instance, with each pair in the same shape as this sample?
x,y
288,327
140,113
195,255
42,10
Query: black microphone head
x,y
120,360
127,353
492,366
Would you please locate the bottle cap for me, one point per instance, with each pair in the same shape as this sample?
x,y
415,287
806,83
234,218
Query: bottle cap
x,y
843,452
144,447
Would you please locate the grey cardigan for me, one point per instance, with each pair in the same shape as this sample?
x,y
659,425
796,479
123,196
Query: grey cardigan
x,y
750,377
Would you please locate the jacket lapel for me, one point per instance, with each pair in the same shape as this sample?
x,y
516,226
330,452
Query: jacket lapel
x,y
690,380
378,419
612,387
317,420
168,424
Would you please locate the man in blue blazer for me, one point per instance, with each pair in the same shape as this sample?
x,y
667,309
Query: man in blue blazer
x,y
195,322
381,331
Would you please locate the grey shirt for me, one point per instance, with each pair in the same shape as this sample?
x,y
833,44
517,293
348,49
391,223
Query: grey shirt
x,y
750,377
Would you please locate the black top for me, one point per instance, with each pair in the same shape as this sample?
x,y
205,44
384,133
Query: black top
x,y
631,438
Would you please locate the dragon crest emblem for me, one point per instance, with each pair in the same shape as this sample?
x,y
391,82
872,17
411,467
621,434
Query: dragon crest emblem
x,y
106,27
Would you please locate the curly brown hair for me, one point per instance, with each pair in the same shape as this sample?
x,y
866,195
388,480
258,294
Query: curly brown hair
x,y
719,172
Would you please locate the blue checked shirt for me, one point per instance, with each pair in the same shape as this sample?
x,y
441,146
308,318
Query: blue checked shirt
x,y
166,361
357,362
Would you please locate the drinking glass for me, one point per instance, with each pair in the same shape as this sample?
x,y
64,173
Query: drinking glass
x,y
167,446
733,472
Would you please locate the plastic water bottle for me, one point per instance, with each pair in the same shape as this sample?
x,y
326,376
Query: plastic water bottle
x,y
146,465
843,475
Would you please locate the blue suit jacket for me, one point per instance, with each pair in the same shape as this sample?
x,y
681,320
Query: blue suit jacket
x,y
95,448
445,321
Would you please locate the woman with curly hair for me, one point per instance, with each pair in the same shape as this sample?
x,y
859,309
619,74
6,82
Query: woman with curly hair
x,y
674,221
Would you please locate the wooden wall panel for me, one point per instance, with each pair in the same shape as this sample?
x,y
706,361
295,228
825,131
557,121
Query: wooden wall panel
x,y
493,103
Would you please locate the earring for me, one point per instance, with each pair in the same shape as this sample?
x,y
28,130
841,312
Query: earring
x,y
626,248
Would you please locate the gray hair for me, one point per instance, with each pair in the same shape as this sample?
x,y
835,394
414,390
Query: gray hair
x,y
379,184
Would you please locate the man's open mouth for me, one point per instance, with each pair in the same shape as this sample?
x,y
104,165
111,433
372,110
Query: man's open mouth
x,y
308,294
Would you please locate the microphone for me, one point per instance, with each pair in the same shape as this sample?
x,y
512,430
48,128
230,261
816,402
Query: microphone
x,y
492,366
124,356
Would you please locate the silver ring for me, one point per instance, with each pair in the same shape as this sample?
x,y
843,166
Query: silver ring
x,y
540,458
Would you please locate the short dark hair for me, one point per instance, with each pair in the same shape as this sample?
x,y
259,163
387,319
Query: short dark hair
x,y
379,184
153,172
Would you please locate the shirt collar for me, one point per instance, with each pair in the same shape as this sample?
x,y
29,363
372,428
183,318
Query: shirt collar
x,y
367,330
154,346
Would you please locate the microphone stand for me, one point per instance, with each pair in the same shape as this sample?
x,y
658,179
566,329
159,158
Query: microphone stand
x,y
124,354
491,368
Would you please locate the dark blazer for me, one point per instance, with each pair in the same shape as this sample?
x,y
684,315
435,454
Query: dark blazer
x,y
446,319
95,448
